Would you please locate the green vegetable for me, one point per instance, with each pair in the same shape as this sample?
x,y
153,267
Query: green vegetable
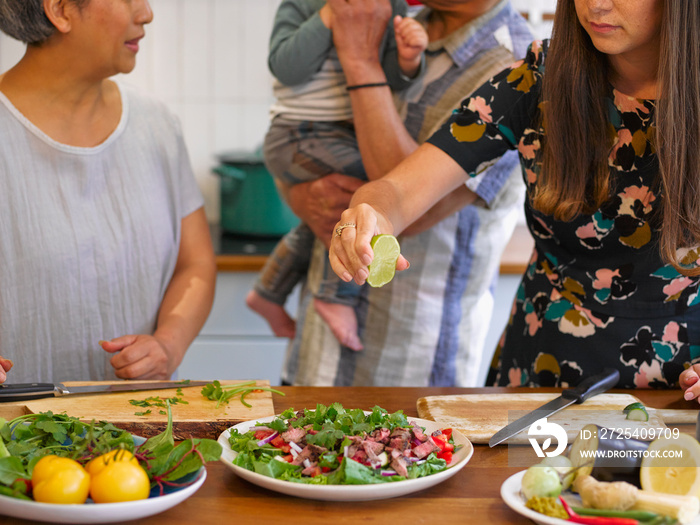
x,y
636,412
331,425
30,437
156,401
541,481
222,394
641,515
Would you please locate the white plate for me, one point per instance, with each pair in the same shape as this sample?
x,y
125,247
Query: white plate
x,y
510,492
98,512
348,492
103,512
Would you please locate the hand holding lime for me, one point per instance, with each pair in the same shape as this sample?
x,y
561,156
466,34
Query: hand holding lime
x,y
386,253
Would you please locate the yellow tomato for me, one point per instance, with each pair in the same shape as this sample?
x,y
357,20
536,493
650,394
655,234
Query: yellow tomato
x,y
60,480
50,464
120,481
96,465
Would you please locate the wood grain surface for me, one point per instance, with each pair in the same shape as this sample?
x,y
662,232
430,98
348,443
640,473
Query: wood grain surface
x,y
198,418
472,496
480,416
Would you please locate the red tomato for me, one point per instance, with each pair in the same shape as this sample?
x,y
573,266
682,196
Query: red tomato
x,y
440,441
262,434
316,471
281,444
446,455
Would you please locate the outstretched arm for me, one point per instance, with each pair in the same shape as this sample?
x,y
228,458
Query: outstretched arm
x,y
389,205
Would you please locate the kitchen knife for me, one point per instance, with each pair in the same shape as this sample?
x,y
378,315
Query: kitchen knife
x,y
26,391
589,387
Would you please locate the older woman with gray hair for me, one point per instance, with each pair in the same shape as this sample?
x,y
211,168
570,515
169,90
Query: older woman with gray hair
x,y
106,263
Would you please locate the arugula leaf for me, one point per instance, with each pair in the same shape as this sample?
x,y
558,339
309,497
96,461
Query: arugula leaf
x,y
162,442
11,468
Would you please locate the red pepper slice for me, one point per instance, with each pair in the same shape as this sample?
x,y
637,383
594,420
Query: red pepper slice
x,y
595,520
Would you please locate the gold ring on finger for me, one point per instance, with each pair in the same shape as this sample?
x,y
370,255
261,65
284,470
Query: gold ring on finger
x,y
339,229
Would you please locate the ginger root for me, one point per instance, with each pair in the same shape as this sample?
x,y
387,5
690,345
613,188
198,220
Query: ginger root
x,y
618,495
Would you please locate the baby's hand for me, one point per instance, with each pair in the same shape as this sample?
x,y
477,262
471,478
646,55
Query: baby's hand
x,y
689,382
326,14
411,41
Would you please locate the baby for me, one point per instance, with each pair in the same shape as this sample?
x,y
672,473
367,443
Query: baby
x,y
312,135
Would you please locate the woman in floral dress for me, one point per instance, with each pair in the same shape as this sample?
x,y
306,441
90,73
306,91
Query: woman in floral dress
x,y
605,118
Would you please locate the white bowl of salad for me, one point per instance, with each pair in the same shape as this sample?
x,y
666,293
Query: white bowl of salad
x,y
337,454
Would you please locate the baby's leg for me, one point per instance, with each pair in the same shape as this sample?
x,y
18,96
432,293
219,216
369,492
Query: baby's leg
x,y
284,268
342,321
298,152
281,324
335,302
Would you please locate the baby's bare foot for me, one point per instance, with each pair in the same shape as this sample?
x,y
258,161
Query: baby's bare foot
x,y
280,322
342,321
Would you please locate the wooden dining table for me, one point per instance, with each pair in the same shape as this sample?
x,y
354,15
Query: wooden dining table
x,y
472,496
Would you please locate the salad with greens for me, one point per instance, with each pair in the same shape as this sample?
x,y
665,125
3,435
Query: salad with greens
x,y
25,440
337,446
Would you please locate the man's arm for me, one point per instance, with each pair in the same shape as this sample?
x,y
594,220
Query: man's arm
x,y
381,134
382,137
320,203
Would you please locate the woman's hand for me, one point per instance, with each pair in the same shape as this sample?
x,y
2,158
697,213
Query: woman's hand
x,y
689,381
140,357
5,366
350,252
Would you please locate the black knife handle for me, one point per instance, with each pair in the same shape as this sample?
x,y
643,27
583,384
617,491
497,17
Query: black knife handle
x,y
593,385
26,391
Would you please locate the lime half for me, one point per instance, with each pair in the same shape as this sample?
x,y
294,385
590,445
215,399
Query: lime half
x,y
386,252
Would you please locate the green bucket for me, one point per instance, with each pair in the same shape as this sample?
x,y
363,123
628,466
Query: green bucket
x,y
250,203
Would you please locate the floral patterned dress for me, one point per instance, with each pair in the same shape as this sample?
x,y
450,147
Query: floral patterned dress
x,y
596,292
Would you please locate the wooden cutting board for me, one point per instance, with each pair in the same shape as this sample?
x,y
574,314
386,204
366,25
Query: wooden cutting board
x,y
199,418
480,416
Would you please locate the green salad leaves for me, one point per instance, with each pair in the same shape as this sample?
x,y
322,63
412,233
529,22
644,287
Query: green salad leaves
x,y
335,446
26,439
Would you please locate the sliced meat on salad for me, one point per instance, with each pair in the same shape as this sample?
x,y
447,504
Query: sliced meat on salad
x,y
332,445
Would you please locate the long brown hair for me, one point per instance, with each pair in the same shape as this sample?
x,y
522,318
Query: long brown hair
x,y
574,176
